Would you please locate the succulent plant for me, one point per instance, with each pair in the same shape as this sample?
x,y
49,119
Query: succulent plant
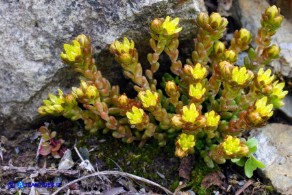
x,y
49,144
210,98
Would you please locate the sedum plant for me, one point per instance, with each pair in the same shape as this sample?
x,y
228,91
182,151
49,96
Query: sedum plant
x,y
49,144
204,106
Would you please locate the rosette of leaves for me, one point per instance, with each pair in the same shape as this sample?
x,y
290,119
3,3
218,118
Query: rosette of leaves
x,y
49,144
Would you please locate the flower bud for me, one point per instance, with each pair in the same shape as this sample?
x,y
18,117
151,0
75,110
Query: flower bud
x,y
125,58
219,47
225,69
215,20
70,100
272,18
230,56
123,100
156,25
171,89
245,35
272,51
176,121
91,92
202,19
272,12
83,40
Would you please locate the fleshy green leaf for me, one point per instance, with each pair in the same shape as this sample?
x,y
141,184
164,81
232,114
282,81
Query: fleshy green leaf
x,y
252,144
251,165
239,161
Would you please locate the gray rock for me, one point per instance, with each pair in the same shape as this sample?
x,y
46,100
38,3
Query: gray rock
x,y
275,151
287,108
249,14
32,34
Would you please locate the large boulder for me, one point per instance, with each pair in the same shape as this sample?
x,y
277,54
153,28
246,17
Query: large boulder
x,y
32,34
275,151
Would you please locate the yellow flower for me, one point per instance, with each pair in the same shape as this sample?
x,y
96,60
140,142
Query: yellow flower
x,y
212,119
170,26
262,108
198,72
124,51
241,76
231,145
71,51
148,98
123,47
278,90
197,91
190,114
135,116
186,141
265,78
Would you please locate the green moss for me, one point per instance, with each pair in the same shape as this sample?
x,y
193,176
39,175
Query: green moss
x,y
150,161
199,172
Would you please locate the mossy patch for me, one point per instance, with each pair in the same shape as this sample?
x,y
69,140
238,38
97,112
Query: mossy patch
x,y
150,161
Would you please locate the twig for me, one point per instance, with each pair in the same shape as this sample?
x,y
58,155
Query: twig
x,y
42,171
246,185
84,163
114,173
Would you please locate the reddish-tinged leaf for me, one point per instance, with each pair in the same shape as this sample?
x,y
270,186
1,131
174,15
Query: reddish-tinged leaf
x,y
45,150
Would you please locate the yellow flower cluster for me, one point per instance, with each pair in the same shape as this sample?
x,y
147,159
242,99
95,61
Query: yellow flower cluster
x,y
135,116
148,98
72,51
264,78
185,144
197,91
124,51
212,119
260,112
190,113
199,72
171,26
233,147
241,76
